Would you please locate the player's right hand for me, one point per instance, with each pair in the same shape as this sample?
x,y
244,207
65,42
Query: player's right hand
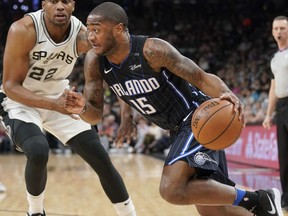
x,y
74,101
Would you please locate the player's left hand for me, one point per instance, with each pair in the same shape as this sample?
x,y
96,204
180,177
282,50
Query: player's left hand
x,y
238,105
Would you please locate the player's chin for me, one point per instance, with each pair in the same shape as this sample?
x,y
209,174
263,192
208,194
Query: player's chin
x,y
98,52
60,22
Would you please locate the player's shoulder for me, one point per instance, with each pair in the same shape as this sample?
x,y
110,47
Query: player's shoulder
x,y
83,44
92,64
22,25
91,56
154,43
156,48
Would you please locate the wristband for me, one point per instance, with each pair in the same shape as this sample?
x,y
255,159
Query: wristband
x,y
84,109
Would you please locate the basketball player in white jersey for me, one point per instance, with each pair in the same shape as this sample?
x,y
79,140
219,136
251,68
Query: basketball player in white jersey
x,y
278,100
40,53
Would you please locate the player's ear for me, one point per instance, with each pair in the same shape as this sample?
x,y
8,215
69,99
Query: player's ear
x,y
73,6
118,29
43,4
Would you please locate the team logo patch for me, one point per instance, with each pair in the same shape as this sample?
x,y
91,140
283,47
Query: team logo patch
x,y
133,67
200,158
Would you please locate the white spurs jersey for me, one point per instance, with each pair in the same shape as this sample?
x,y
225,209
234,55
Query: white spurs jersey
x,y
279,67
51,63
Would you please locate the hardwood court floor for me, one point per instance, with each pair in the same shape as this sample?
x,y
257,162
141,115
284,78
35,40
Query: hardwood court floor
x,y
73,189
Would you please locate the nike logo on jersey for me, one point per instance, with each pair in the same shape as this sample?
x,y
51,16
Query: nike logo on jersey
x,y
41,42
273,210
107,71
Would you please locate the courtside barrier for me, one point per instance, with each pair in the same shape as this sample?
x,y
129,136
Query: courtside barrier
x,y
256,146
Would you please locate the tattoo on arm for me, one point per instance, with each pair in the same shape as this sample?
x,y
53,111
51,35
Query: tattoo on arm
x,y
161,54
93,81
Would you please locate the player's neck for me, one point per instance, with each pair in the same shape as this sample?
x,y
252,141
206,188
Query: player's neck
x,y
57,33
120,51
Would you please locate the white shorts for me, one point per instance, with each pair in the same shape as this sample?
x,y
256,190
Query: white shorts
x,y
61,126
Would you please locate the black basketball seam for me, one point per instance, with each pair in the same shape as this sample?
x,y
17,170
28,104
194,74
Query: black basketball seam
x,y
237,137
211,117
224,132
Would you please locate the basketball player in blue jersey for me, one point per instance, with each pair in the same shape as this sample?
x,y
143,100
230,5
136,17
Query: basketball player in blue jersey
x,y
40,53
151,76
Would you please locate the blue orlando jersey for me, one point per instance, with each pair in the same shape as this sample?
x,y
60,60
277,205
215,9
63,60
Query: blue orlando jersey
x,y
161,97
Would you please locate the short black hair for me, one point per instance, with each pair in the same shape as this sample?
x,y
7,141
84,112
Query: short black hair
x,y
112,12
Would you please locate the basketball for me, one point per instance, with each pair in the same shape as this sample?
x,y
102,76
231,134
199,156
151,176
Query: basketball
x,y
215,124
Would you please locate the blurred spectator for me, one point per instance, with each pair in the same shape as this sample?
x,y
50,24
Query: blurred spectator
x,y
108,129
154,133
255,113
142,130
2,188
56,146
160,144
5,143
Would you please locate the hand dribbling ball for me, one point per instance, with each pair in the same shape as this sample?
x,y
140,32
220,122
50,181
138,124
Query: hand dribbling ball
x,y
215,124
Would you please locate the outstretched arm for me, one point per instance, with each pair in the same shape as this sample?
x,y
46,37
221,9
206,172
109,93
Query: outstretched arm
x,y
160,54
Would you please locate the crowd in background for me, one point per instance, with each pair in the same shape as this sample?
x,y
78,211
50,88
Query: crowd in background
x,y
229,38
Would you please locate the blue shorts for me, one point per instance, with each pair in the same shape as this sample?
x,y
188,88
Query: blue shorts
x,y
208,163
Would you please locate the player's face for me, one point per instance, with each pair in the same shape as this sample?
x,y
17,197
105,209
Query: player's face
x,y
280,30
58,12
100,34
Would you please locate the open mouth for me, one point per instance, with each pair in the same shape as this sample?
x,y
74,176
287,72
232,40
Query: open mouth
x,y
60,17
95,46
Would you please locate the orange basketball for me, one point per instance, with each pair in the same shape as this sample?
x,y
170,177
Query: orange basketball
x,y
215,124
